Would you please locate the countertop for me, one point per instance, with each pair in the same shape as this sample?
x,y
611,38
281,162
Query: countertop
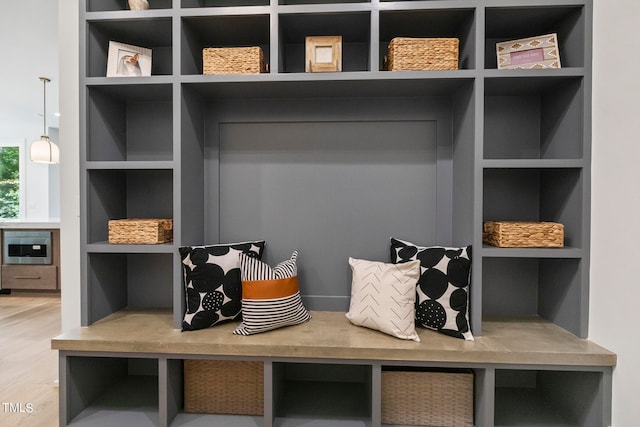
x,y
18,224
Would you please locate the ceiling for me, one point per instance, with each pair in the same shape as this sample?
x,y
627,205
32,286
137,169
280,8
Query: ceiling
x,y
29,39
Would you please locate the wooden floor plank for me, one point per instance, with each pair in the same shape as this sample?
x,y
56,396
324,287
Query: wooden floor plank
x,y
28,366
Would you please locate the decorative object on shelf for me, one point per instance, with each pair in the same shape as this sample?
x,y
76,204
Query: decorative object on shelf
x,y
138,4
224,387
270,296
126,60
529,53
422,54
137,231
383,297
212,282
44,150
442,301
523,234
427,398
323,54
233,60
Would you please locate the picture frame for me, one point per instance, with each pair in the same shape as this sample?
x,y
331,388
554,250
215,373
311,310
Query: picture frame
x,y
125,60
323,54
529,53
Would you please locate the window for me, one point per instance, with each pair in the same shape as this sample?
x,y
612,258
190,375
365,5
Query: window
x,y
10,182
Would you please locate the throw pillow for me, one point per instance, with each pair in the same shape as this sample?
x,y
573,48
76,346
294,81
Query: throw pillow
x,y
212,283
442,301
270,296
383,297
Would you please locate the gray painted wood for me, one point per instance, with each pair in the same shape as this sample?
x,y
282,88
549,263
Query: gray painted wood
x,y
490,144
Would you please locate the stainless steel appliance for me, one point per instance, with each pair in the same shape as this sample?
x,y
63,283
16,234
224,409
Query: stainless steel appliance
x,y
27,247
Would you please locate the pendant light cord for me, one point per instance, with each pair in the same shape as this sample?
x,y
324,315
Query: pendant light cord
x,y
44,96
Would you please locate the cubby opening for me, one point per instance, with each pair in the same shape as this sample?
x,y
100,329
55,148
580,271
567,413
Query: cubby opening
x,y
509,23
534,118
129,123
354,27
154,34
427,396
321,1
325,393
105,392
537,194
128,280
434,23
550,288
203,32
108,5
223,3
216,392
548,398
121,194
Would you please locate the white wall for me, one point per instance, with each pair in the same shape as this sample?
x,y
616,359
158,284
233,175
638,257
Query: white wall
x,y
616,197
615,244
70,164
30,40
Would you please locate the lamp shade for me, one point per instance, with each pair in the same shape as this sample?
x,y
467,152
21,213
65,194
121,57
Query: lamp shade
x,y
44,151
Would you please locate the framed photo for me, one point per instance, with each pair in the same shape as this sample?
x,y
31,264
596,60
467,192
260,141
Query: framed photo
x,y
323,54
126,60
530,53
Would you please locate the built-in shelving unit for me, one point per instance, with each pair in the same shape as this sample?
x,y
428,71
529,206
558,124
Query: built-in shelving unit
x,y
334,164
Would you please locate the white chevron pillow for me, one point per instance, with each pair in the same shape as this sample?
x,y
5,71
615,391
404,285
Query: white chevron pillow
x,y
383,297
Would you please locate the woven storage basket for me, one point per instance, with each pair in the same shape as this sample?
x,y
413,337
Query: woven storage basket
x,y
417,54
233,60
520,234
223,387
427,398
140,231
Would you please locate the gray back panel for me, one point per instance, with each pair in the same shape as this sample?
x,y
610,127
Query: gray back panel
x,y
330,189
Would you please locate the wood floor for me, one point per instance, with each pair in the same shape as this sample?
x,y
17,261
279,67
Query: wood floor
x,y
28,366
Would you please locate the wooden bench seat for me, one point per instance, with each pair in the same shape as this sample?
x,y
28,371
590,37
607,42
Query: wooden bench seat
x,y
329,335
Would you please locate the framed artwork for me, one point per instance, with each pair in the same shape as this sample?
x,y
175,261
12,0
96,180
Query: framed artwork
x,y
125,60
530,53
323,54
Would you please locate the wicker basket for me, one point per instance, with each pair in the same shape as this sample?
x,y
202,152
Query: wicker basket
x,y
140,231
519,234
223,387
233,60
424,398
417,54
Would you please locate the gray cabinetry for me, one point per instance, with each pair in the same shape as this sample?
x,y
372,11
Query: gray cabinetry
x,y
333,164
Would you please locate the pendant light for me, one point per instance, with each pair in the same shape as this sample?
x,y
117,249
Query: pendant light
x,y
44,150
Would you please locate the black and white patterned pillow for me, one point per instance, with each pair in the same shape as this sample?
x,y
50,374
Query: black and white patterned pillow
x,y
213,288
270,296
442,300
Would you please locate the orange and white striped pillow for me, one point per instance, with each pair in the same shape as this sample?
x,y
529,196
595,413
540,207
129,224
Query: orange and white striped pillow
x,y
270,296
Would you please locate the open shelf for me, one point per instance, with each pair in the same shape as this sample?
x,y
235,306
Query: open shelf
x,y
530,194
121,194
322,392
128,280
534,118
354,27
199,32
525,287
108,5
447,23
547,398
222,3
509,23
124,391
138,120
150,33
